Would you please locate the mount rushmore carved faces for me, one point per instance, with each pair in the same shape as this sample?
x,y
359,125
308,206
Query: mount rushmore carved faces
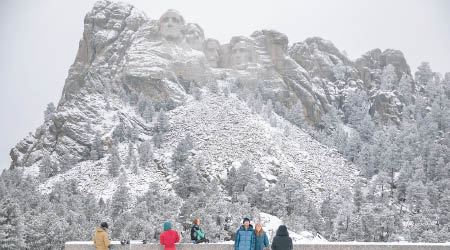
x,y
241,53
212,52
171,26
195,36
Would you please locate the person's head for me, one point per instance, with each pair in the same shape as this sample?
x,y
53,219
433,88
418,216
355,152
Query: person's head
x,y
196,221
104,225
282,231
246,222
212,52
258,229
167,226
195,36
171,25
241,52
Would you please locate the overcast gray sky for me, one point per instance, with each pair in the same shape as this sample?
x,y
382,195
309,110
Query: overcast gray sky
x,y
39,40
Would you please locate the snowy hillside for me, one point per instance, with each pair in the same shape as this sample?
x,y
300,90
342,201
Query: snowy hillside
x,y
224,132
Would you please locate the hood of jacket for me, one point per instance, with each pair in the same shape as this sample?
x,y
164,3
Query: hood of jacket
x,y
282,231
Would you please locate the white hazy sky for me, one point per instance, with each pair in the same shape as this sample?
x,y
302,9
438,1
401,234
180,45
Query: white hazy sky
x,y
39,40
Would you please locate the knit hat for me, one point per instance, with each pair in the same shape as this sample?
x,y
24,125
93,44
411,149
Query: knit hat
x,y
246,219
167,226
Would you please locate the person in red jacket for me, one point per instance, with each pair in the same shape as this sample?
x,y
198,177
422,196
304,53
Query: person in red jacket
x,y
169,237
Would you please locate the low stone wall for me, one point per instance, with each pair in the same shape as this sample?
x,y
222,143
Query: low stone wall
x,y
306,246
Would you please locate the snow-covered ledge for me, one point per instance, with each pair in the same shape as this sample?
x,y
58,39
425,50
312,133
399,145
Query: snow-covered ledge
x,y
83,245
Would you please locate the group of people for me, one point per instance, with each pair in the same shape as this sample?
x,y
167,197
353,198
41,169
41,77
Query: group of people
x,y
249,239
246,238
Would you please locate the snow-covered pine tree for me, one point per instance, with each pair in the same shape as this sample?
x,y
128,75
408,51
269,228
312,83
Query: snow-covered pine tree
x,y
12,230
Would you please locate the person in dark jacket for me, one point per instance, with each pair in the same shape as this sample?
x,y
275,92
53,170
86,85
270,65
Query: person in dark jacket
x,y
245,237
197,234
261,240
282,241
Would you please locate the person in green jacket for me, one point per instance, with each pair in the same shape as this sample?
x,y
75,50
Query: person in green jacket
x,y
197,234
261,240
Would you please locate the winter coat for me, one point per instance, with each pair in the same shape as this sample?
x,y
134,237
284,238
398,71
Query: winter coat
x,y
261,241
101,240
197,232
169,237
282,241
245,239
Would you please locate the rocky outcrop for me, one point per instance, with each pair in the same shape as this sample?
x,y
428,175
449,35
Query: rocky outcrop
x,y
320,57
372,63
388,105
108,30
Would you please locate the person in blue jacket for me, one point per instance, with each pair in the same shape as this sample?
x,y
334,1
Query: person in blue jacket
x,y
245,237
261,240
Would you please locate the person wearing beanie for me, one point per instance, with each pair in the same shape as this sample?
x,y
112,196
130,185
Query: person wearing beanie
x,y
101,240
169,237
245,236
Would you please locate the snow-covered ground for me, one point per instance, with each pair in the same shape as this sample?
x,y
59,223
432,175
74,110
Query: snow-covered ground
x,y
271,223
224,131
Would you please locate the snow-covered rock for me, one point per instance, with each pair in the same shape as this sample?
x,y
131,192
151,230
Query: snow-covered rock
x,y
125,57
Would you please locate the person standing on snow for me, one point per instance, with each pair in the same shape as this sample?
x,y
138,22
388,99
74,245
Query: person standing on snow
x,y
261,240
169,237
245,237
101,240
282,241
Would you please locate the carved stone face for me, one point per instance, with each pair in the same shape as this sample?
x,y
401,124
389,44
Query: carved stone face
x,y
240,54
195,36
212,48
171,25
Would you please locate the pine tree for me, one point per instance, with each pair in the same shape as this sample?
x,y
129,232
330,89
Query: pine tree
x,y
157,140
406,87
296,115
48,168
11,225
277,201
231,180
356,107
423,75
145,154
130,155
119,132
181,153
49,112
134,164
329,213
162,125
190,183
120,199
148,113
245,175
115,162
142,103
97,150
